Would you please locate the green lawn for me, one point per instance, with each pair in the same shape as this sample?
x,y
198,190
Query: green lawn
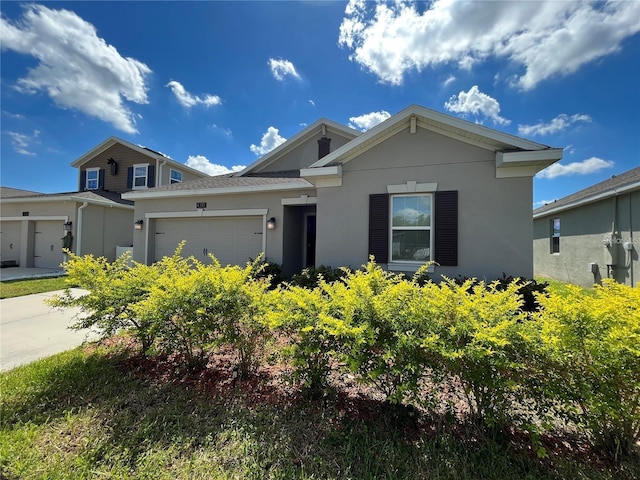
x,y
17,288
94,414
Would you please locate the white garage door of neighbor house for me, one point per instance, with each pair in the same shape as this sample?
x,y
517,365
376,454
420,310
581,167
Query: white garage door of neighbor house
x,y
233,240
47,245
10,233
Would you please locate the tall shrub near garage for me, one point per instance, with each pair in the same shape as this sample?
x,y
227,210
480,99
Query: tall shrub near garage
x,y
113,290
591,345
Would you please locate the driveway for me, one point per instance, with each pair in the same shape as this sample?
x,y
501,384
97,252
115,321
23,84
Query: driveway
x,y
30,329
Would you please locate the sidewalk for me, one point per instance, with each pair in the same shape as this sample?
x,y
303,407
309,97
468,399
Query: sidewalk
x,y
19,273
30,329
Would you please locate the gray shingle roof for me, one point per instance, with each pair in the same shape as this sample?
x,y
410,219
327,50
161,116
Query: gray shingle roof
x,y
226,181
93,195
609,185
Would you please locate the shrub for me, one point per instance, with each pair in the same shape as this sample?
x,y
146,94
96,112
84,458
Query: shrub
x,y
527,288
113,290
310,277
592,348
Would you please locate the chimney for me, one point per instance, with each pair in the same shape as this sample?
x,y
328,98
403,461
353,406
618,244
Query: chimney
x,y
324,146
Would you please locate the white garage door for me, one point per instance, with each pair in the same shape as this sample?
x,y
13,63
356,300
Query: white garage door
x,y
47,245
233,240
10,233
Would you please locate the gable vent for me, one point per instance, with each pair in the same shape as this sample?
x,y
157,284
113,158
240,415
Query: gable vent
x,y
324,147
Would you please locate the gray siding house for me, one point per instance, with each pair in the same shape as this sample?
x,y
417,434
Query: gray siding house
x,y
420,186
591,234
34,226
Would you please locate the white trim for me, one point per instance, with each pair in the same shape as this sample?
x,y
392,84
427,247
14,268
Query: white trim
x,y
413,187
216,191
146,176
248,212
37,218
593,198
301,200
431,228
529,158
330,171
408,266
86,178
513,172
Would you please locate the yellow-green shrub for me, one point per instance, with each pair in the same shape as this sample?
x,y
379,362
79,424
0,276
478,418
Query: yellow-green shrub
x,y
591,345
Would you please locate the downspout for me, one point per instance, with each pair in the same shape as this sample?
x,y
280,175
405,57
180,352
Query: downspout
x,y
79,228
161,163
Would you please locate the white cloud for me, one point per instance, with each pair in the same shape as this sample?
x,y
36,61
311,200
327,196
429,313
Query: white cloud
x,y
312,103
474,102
224,131
590,165
270,140
188,100
558,124
541,39
22,142
282,68
450,79
76,68
368,120
202,164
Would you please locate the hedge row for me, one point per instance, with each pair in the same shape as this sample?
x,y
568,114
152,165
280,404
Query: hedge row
x,y
576,358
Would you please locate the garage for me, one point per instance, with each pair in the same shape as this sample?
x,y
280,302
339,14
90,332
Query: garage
x,y
47,244
233,240
10,233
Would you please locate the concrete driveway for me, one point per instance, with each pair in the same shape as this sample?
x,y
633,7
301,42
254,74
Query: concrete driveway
x,y
30,329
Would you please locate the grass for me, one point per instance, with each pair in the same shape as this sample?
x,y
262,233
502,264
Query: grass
x,y
94,413
18,288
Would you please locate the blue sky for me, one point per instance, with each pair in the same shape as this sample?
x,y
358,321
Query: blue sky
x,y
217,84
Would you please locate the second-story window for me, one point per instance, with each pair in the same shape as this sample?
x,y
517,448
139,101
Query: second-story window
x,y
93,178
140,176
176,176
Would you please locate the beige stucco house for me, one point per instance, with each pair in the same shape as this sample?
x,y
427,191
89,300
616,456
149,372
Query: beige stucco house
x,y
421,186
34,226
591,234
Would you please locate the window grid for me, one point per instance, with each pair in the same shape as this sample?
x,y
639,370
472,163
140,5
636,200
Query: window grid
x,y
176,176
140,176
411,228
92,178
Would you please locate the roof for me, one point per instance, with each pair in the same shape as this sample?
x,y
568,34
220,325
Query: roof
x,y
320,126
615,185
152,154
511,151
8,192
225,184
97,197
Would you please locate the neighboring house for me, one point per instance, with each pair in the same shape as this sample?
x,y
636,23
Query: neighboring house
x,y
591,234
34,226
421,186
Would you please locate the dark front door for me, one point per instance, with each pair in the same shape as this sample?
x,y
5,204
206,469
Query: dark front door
x,y
310,241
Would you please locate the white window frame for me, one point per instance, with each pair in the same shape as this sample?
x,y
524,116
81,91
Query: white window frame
x,y
146,176
171,179
430,229
555,234
97,180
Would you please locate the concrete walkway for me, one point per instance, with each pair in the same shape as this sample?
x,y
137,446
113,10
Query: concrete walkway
x,y
19,273
30,329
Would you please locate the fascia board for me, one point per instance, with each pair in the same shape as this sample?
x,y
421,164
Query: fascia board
x,y
215,191
424,116
593,198
330,171
65,198
530,157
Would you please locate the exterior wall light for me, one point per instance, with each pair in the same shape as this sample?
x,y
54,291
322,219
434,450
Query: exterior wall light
x,y
271,223
138,225
67,226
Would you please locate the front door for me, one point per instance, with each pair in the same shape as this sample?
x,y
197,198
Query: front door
x,y
310,240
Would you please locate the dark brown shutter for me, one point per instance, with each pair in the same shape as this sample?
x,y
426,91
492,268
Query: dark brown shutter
x,y
83,180
379,227
446,223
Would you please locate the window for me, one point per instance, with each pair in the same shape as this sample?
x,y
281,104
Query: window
x,y
92,179
555,235
411,228
176,176
140,176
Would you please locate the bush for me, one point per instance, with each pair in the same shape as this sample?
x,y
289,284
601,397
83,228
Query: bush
x,y
527,288
114,288
591,346
310,277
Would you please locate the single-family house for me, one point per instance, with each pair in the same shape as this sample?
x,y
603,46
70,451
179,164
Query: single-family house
x,y
591,234
34,227
420,186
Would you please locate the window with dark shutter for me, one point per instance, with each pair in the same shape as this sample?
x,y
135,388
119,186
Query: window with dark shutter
x,y
151,176
446,224
130,177
379,227
101,179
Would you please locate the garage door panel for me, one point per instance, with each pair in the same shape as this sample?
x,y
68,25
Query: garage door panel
x,y
47,245
232,240
10,238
